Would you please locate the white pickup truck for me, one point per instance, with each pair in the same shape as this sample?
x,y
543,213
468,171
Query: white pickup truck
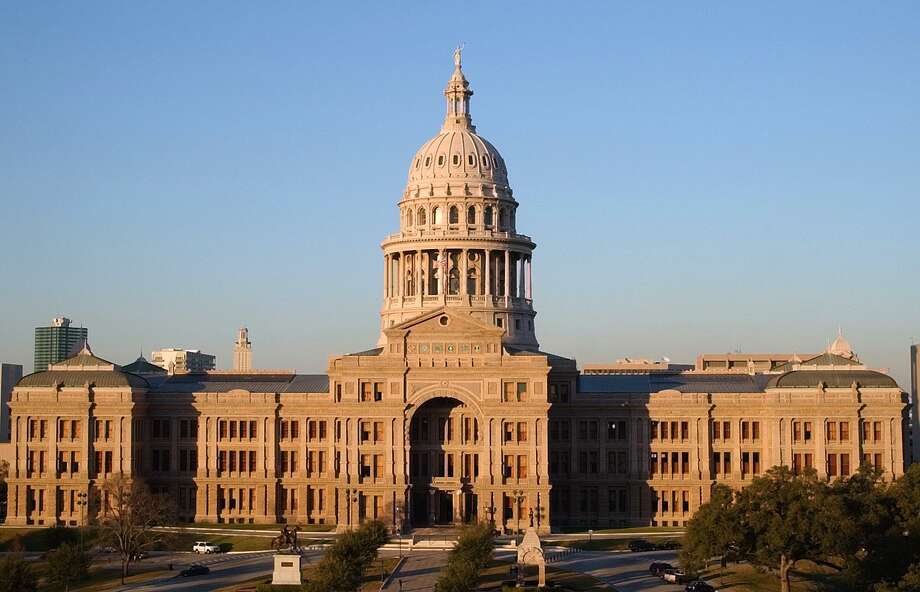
x,y
205,547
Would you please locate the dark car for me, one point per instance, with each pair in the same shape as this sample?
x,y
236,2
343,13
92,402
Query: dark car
x,y
636,545
699,586
658,567
668,545
194,570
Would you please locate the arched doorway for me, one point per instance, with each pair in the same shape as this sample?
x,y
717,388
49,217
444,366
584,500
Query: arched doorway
x,y
444,460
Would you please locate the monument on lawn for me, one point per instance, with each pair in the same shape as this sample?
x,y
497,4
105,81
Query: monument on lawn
x,y
530,552
287,561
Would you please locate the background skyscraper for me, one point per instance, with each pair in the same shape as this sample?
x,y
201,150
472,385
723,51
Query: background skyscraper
x,y
9,376
57,342
242,351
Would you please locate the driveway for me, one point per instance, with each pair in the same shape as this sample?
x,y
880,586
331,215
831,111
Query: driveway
x,y
627,572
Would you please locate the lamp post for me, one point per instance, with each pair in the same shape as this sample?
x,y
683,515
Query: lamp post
x,y
518,495
82,501
351,496
398,520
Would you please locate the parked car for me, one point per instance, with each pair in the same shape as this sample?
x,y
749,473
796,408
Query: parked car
x,y
674,576
106,549
636,545
138,555
667,545
658,567
205,547
699,586
195,569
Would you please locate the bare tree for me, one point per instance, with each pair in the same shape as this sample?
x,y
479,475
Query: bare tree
x,y
128,517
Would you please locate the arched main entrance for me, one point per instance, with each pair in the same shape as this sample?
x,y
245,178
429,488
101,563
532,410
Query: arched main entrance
x,y
444,459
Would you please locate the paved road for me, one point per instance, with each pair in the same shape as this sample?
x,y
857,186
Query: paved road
x,y
419,571
229,570
627,572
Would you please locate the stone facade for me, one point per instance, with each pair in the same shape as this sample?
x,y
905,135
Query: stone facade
x,y
456,415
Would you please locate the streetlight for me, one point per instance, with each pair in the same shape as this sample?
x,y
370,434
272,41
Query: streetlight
x,y
351,496
398,520
82,502
518,495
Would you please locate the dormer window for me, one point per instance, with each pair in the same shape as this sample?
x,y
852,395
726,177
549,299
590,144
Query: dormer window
x,y
441,160
485,161
427,161
453,216
418,161
456,159
470,159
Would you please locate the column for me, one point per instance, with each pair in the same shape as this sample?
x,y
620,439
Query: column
x,y
386,276
507,275
530,277
464,270
488,271
521,282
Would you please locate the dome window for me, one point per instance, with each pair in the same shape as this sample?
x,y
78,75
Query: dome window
x,y
453,216
471,215
418,161
456,160
409,218
421,216
470,160
427,161
485,161
441,160
487,216
436,216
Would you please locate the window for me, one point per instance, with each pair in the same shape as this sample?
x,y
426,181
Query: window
x,y
487,217
831,431
470,160
421,217
485,161
844,431
453,215
471,215
427,161
456,159
501,218
440,160
559,393
409,218
436,216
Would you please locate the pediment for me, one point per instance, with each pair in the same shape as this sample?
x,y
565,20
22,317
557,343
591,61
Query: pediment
x,y
445,322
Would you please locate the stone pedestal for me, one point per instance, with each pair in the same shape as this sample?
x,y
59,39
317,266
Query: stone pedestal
x,y
530,552
287,569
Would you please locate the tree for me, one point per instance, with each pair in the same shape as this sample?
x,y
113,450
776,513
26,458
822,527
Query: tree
x,y
130,518
472,552
777,520
343,565
712,531
17,575
67,564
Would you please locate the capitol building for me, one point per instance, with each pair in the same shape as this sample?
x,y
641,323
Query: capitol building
x,y
457,413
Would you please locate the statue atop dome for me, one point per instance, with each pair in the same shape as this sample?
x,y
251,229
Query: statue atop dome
x,y
458,58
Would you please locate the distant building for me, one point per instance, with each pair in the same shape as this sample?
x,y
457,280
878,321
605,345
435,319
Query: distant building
x,y
636,366
180,361
242,351
915,402
57,342
9,376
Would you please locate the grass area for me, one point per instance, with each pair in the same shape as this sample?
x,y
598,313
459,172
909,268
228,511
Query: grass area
x,y
496,572
632,529
607,544
808,577
102,577
184,541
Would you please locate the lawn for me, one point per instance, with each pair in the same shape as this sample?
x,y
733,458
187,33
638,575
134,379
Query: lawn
x,y
747,578
607,544
632,529
102,576
276,528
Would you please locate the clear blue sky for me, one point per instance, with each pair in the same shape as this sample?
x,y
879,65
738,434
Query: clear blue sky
x,y
698,177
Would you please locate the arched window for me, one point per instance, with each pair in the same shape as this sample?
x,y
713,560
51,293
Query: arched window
x,y
471,282
421,217
418,161
470,159
427,161
456,159
453,276
487,217
501,218
471,215
485,161
409,218
436,216
441,160
453,216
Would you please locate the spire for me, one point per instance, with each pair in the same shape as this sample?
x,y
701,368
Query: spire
x,y
458,95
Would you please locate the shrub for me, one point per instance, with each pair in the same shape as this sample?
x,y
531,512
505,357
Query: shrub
x,y
472,552
342,567
17,575
67,564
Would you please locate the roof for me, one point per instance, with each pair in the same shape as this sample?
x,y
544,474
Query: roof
x,y
832,379
142,366
255,383
369,352
95,378
825,359
685,383
521,351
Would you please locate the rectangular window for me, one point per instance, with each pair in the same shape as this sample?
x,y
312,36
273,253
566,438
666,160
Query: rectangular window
x,y
522,467
726,430
508,393
521,391
745,433
831,465
716,430
831,431
684,430
844,465
844,431
755,430
807,431
521,431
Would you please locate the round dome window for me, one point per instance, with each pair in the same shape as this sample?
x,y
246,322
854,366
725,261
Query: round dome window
x,y
444,320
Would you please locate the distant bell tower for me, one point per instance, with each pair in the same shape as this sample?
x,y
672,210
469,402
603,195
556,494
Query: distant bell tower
x,y
242,351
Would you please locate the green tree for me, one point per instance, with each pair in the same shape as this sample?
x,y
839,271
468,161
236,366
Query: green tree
x,y
17,575
343,565
131,518
67,564
472,552
777,520
712,531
